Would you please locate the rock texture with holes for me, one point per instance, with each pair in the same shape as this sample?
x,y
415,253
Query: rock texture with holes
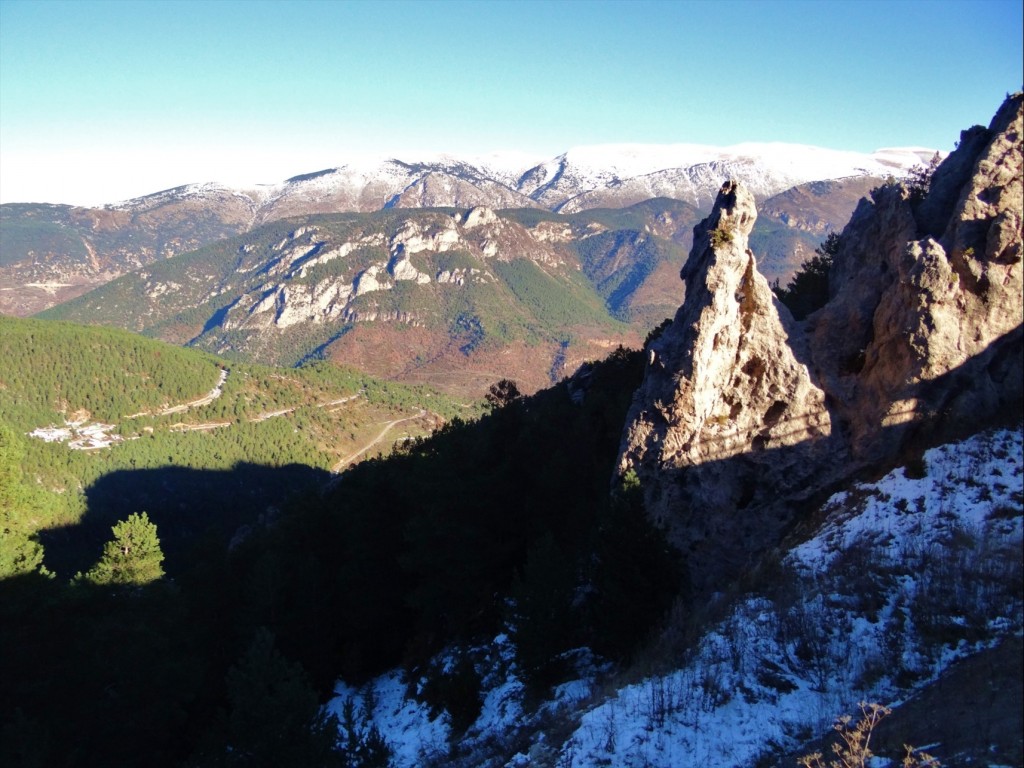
x,y
926,298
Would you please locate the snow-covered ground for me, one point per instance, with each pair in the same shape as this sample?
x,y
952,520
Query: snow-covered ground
x,y
904,577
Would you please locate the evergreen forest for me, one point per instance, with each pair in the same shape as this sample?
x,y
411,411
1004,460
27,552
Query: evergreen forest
x,y
190,594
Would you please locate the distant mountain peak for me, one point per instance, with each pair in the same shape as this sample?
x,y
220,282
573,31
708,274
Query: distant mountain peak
x,y
599,175
79,247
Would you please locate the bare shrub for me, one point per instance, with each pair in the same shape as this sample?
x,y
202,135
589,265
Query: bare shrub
x,y
853,750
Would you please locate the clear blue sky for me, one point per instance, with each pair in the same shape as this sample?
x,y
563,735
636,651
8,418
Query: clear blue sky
x,y
100,101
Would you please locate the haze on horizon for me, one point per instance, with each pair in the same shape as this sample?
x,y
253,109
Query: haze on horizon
x,y
103,101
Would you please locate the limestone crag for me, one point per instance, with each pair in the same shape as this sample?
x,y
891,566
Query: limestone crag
x,y
744,413
728,408
308,277
907,311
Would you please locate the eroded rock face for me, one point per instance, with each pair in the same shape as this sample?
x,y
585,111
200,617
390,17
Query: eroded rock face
x,y
911,311
295,294
728,409
744,413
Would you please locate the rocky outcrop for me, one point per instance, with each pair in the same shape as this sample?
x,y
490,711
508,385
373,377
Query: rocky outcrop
x,y
728,410
744,413
312,276
908,311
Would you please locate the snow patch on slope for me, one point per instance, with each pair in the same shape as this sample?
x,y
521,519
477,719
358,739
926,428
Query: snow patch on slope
x,y
776,671
853,616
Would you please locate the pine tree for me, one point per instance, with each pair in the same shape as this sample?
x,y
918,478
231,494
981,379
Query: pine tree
x,y
808,290
919,179
275,719
18,552
634,573
362,745
545,622
133,556
502,393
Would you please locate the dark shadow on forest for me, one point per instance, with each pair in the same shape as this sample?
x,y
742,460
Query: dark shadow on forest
x,y
190,507
216,320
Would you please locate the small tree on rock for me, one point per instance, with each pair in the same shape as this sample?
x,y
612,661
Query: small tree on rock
x,y
919,179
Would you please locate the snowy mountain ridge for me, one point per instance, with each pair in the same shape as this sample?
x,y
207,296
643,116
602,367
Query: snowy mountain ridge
x,y
517,180
790,655
79,248
595,163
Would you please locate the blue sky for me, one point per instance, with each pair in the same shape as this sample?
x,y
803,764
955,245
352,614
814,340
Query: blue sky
x,y
101,101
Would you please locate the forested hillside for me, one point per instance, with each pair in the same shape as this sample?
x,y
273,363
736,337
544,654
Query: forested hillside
x,y
59,369
177,433
396,558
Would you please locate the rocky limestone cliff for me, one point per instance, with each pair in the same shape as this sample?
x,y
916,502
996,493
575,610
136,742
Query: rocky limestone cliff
x,y
926,298
285,293
728,409
744,413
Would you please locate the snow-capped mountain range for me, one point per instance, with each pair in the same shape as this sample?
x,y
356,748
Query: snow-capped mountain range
x,y
95,245
612,175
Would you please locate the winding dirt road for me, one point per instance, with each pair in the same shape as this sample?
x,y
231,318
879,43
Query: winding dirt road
x,y
387,428
206,399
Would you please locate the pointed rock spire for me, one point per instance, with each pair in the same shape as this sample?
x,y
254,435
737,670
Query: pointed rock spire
x,y
727,406
744,414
